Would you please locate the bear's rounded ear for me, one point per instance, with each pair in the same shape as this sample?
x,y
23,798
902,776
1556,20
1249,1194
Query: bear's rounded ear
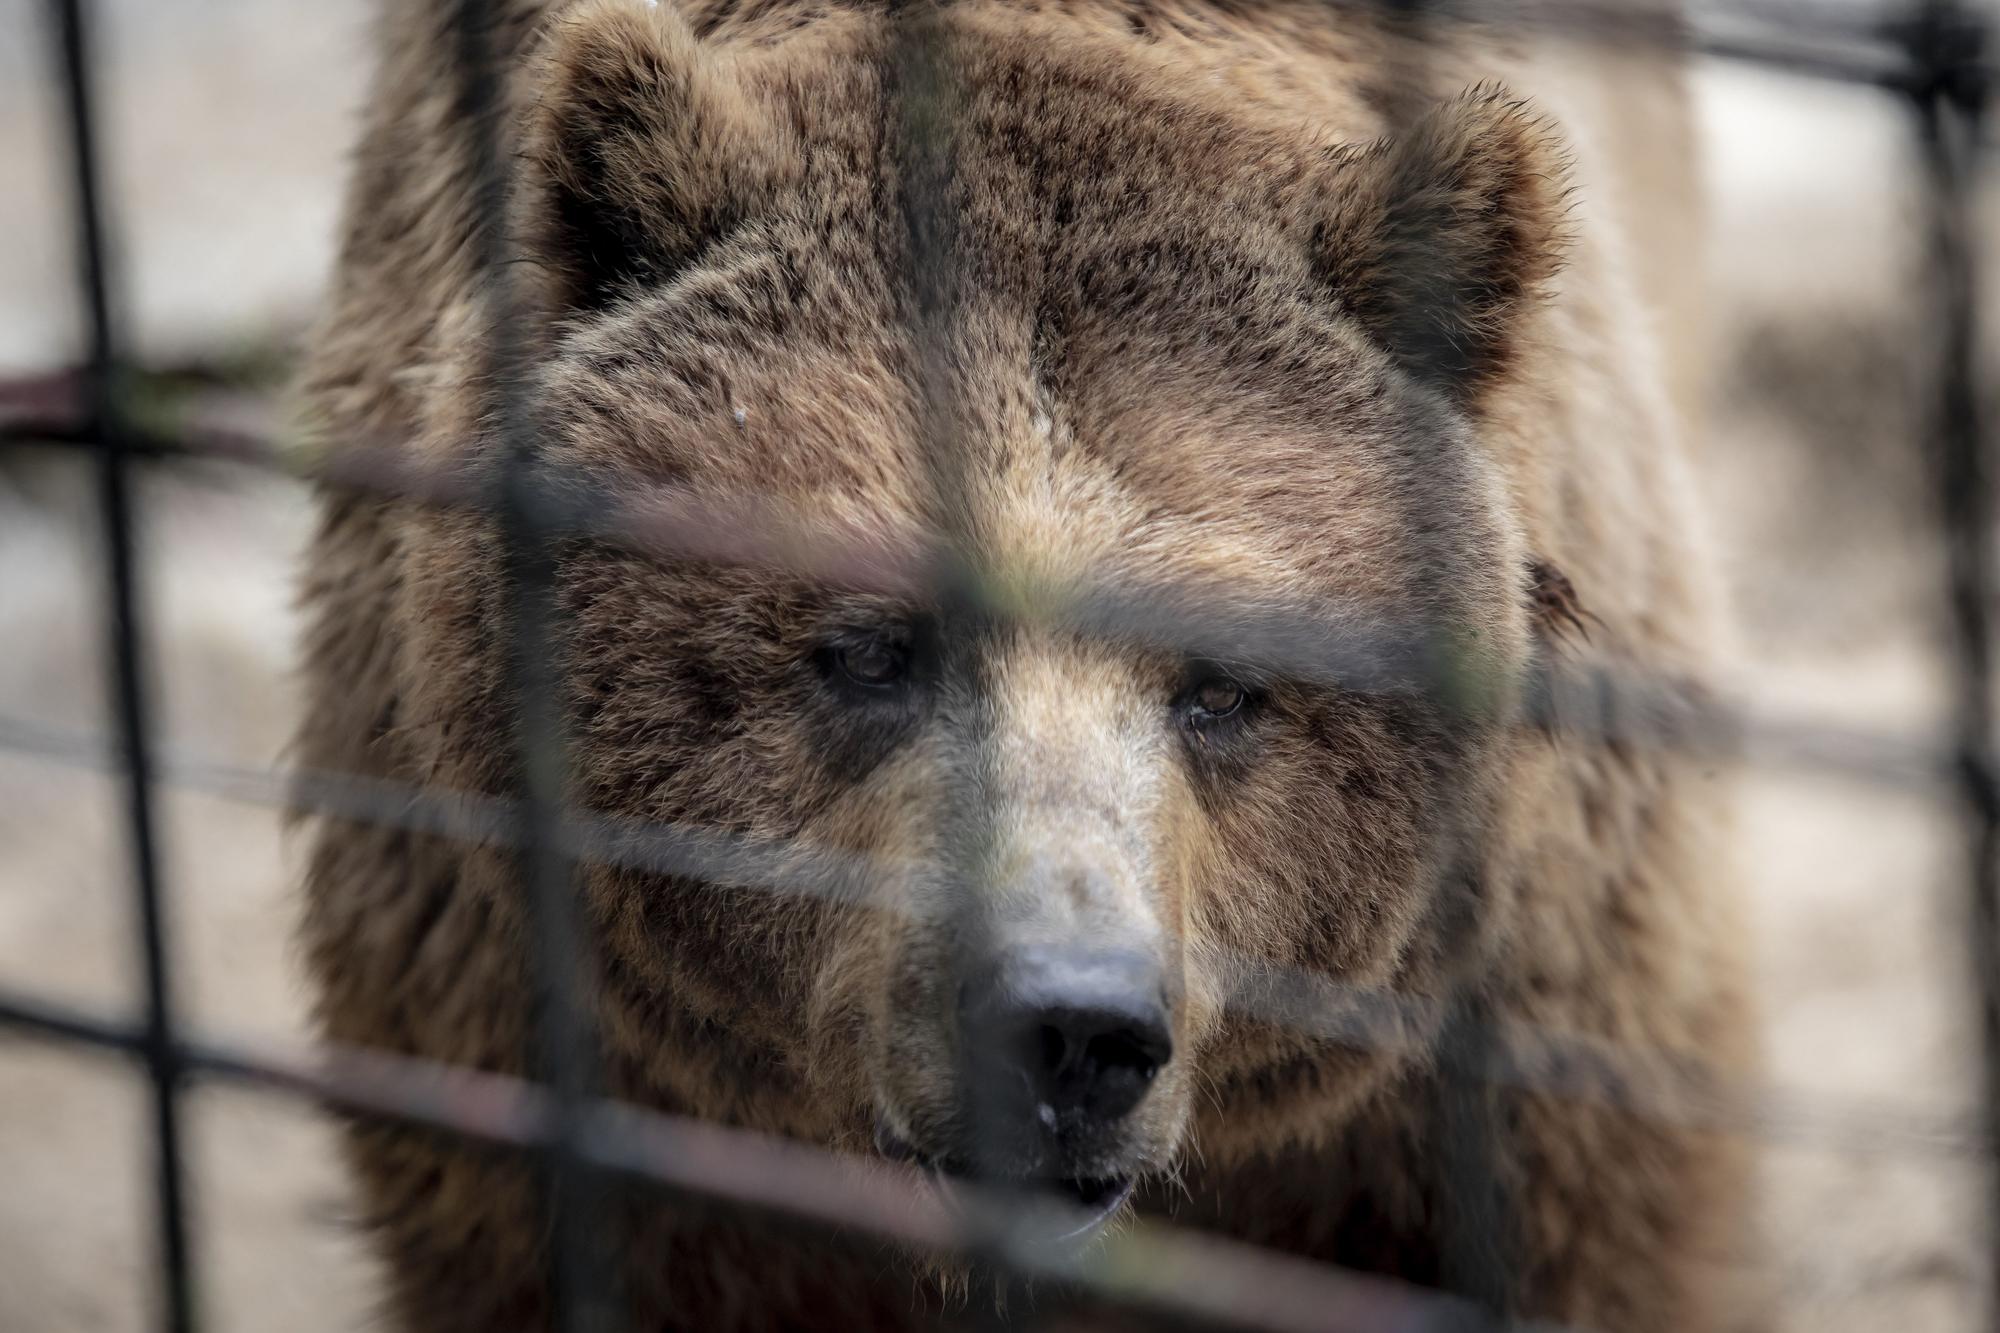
x,y
642,148
1440,240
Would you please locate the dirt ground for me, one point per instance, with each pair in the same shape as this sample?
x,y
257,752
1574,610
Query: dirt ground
x,y
229,120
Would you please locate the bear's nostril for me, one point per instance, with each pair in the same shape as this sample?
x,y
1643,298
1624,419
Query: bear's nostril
x,y
1109,1060
1055,1048
1128,1052
1082,1035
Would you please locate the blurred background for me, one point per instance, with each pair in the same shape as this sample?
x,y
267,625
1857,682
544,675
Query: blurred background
x,y
226,123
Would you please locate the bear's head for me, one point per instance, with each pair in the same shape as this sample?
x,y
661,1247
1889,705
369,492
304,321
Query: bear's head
x,y
1097,615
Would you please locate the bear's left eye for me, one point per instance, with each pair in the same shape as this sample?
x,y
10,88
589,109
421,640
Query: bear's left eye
x,y
1214,697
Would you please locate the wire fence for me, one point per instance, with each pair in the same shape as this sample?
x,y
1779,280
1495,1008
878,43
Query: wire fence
x,y
1934,57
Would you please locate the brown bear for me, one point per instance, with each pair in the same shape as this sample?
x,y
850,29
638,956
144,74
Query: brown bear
x,y
1245,403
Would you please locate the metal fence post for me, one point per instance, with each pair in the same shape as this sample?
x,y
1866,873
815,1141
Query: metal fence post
x,y
126,638
581,1273
1950,95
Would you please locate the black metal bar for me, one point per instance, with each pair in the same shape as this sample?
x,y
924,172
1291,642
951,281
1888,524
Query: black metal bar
x,y
125,635
925,106
1867,757
1597,705
1473,1208
582,1291
1951,105
1529,1059
25,1015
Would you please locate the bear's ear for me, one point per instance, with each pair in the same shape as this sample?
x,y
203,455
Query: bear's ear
x,y
1440,240
642,149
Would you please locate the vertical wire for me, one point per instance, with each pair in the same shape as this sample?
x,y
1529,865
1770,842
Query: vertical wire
x,y
1472,1242
925,98
582,1289
104,421
1950,105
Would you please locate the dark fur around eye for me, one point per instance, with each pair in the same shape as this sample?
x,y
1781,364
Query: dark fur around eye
x,y
869,696
872,664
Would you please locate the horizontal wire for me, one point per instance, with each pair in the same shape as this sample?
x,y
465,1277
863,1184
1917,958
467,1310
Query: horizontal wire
x,y
1354,650
1666,1088
1147,1263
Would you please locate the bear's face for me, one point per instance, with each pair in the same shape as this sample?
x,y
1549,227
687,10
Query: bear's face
x,y
1166,459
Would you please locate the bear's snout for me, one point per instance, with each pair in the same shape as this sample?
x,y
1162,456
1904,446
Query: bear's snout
x,y
1064,1086
1065,1040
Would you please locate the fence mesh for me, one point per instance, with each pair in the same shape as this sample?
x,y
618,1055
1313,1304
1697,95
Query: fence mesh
x,y
1934,57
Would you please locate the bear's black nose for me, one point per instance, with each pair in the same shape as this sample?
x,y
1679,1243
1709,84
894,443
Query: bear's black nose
x,y
1079,1034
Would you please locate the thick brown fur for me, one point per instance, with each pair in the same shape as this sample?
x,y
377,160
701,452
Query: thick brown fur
x,y
1275,302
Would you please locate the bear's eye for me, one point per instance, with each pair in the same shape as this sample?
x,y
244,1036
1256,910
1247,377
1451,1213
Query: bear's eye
x,y
1214,698
874,663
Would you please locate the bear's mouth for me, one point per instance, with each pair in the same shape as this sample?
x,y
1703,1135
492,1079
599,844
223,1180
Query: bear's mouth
x,y
1049,1210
